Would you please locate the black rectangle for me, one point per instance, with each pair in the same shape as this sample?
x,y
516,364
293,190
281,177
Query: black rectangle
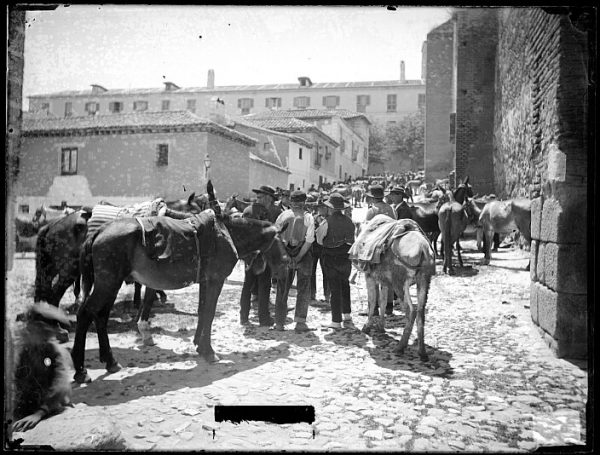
x,y
274,414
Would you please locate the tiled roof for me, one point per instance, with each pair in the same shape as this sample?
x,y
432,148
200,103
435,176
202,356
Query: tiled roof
x,y
231,88
312,114
266,130
288,125
134,122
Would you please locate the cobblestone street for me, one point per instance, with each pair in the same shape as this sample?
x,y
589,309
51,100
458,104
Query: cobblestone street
x,y
491,383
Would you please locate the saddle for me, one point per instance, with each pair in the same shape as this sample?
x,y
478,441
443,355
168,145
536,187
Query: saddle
x,y
376,237
173,240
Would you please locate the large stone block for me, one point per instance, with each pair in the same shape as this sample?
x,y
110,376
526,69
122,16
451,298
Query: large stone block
x,y
563,222
564,317
536,218
565,268
533,258
535,290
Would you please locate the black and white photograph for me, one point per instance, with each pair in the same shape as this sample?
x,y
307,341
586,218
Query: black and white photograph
x,y
301,228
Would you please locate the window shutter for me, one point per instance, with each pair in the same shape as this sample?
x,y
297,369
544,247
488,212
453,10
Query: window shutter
x,y
239,103
324,101
266,102
368,99
278,102
251,102
307,101
337,101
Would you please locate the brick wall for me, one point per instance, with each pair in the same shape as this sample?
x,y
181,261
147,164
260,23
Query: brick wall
x,y
476,53
541,152
439,150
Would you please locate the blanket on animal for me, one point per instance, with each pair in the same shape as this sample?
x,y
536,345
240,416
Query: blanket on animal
x,y
169,239
102,213
376,237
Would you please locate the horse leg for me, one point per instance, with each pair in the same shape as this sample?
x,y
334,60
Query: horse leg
x,y
143,316
423,282
488,235
410,318
382,301
58,291
460,261
84,319
137,294
203,332
162,296
372,300
106,356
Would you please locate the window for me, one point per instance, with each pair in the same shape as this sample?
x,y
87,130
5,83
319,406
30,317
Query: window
x,y
300,153
92,108
342,145
245,104
191,105
68,109
340,171
165,105
45,107
115,107
272,103
302,102
391,103
162,156
421,101
140,105
354,152
362,101
453,128
24,208
266,146
327,153
68,161
317,155
331,102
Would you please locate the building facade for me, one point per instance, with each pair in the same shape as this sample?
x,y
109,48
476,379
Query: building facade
x,y
127,158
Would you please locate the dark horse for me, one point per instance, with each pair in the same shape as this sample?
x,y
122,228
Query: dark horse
x,y
116,253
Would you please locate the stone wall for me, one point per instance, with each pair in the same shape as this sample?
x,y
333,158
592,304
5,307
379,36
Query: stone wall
x,y
540,151
476,35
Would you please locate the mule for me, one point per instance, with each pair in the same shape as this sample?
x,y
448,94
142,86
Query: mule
x,y
116,253
26,232
503,217
358,193
404,260
234,203
45,214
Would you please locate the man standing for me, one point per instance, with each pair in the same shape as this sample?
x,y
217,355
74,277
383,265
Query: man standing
x,y
320,216
396,198
378,207
336,235
263,209
297,238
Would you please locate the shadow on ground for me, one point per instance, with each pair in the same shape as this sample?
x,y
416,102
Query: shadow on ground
x,y
106,392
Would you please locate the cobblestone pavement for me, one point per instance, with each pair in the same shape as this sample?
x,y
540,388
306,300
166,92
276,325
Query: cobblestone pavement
x,y
491,383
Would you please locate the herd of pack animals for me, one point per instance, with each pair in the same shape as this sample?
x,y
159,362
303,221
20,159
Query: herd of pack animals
x,y
97,265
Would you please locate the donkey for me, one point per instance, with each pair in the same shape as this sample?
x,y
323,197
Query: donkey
x,y
117,252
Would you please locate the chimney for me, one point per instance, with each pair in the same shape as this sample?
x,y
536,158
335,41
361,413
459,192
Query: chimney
x,y
210,82
402,78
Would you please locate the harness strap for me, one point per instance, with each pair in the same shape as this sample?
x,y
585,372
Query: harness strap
x,y
198,256
137,218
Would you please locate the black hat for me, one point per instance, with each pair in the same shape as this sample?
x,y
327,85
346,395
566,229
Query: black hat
x,y
337,201
398,189
376,191
266,189
298,197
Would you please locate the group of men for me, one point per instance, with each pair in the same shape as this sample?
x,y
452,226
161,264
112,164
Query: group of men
x,y
317,231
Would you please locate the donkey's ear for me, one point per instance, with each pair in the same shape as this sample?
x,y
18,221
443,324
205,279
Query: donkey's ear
x,y
466,182
191,198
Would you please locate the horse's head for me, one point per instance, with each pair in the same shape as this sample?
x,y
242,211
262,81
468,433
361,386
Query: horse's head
x,y
272,252
463,191
472,211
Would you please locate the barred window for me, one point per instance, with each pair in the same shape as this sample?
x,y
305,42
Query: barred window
x,y
272,102
245,104
68,161
165,105
68,109
362,101
92,108
162,155
191,105
331,102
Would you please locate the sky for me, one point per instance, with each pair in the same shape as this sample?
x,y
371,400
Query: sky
x,y
142,46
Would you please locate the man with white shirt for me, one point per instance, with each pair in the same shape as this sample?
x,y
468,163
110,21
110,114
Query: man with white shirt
x,y
298,238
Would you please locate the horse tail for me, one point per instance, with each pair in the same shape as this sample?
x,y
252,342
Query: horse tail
x,y
43,262
86,265
447,236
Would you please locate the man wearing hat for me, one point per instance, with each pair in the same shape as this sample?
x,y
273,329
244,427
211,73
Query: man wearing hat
x,y
298,238
263,209
378,207
322,211
336,234
396,198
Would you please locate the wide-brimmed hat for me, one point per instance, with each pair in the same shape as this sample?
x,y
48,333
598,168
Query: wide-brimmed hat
x,y
321,202
398,189
376,192
266,189
337,201
297,197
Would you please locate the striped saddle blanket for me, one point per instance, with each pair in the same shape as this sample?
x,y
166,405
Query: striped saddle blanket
x,y
102,214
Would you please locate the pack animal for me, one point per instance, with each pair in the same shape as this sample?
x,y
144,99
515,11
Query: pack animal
x,y
405,258
117,252
503,217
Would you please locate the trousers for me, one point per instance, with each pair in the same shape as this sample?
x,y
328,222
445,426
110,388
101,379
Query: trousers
x,y
302,273
337,269
262,284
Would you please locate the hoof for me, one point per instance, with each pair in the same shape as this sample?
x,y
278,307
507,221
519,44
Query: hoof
x,y
210,357
113,368
81,377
